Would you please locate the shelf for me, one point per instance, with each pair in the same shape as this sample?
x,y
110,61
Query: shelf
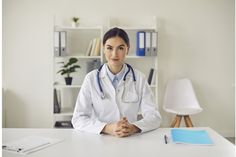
x,y
67,86
65,112
79,28
81,57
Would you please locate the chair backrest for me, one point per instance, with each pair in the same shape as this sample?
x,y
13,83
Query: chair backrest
x,y
180,98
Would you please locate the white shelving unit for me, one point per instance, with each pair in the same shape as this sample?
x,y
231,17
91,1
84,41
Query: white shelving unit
x,y
77,42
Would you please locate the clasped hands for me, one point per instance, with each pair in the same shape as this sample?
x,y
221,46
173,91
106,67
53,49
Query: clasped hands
x,y
122,128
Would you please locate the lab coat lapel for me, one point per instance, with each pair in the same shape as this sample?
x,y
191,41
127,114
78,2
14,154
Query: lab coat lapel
x,y
105,82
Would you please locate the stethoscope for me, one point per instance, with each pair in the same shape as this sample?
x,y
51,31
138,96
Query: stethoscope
x,y
99,81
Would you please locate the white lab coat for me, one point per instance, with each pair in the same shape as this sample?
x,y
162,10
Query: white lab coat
x,y
92,112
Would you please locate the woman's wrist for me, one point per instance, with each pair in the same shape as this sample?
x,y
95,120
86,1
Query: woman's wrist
x,y
135,129
107,129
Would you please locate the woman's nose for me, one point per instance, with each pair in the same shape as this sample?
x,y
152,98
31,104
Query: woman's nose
x,y
114,52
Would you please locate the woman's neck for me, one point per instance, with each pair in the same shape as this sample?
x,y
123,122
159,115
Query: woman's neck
x,y
115,69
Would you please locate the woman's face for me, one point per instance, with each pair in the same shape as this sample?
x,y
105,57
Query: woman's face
x,y
115,50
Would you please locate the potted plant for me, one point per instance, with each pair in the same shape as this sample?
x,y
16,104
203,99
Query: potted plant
x,y
68,68
75,21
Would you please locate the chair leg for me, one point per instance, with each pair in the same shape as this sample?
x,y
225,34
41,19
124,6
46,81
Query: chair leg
x,y
188,121
173,122
176,122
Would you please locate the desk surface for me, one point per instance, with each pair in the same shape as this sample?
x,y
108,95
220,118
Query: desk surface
x,y
149,144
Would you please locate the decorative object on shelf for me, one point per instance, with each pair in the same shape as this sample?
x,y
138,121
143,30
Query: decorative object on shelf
x,y
181,100
94,64
75,22
69,68
63,124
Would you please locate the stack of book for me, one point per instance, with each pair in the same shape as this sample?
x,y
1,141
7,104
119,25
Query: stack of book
x,y
94,47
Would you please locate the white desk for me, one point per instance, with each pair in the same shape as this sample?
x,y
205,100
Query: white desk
x,y
151,144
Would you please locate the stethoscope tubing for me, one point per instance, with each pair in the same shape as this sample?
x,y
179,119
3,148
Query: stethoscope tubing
x,y
99,82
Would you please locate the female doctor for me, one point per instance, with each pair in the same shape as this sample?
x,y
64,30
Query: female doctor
x,y
112,96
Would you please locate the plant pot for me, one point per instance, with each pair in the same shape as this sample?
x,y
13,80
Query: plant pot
x,y
68,80
74,24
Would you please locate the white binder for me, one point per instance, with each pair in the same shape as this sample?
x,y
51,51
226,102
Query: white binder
x,y
56,44
63,43
148,44
154,44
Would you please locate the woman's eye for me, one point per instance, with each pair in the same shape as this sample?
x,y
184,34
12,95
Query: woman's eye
x,y
121,48
109,48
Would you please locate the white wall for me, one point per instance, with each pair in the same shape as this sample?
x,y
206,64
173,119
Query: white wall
x,y
196,40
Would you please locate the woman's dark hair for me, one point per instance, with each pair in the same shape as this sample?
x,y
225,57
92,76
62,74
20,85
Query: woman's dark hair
x,y
116,32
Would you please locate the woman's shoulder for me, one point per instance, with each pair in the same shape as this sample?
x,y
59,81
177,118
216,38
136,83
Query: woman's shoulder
x,y
91,74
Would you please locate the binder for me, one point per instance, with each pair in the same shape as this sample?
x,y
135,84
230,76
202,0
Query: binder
x,y
154,44
56,44
56,107
63,43
150,77
147,43
140,50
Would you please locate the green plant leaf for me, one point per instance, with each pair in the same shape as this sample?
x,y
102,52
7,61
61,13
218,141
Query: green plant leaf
x,y
69,67
71,61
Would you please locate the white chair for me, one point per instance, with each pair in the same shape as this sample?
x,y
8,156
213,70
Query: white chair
x,y
181,100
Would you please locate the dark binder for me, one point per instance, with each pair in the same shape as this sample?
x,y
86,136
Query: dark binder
x,y
56,108
150,77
